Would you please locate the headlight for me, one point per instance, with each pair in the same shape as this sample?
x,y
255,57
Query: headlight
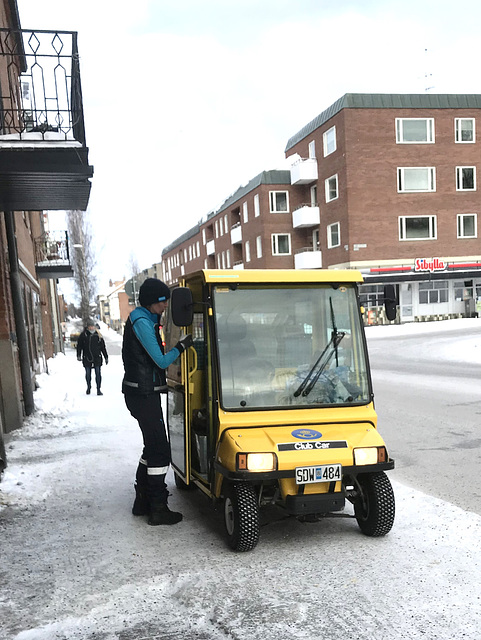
x,y
256,461
368,455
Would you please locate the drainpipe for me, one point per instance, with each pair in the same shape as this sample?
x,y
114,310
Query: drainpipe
x,y
20,324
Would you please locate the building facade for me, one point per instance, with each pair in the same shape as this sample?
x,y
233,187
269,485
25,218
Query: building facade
x,y
43,166
386,184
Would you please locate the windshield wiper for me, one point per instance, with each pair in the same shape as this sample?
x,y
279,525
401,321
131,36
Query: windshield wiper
x,y
330,349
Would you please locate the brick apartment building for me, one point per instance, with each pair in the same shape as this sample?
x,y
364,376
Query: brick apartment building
x,y
381,183
43,166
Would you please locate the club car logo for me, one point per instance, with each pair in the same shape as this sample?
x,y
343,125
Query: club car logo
x,y
306,434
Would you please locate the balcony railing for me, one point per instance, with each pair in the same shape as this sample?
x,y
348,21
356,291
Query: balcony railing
x,y
52,255
308,258
42,94
304,171
307,215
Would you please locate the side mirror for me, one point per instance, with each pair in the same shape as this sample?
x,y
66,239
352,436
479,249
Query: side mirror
x,y
182,307
390,304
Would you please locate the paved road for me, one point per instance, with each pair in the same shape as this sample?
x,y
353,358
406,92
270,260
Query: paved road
x,y
430,413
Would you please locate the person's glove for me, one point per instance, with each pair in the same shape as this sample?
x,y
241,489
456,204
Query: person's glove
x,y
79,358
184,343
106,360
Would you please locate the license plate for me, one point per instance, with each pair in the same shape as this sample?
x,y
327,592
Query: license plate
x,y
322,473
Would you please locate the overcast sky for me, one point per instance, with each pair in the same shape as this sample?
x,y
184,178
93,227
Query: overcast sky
x,y
185,101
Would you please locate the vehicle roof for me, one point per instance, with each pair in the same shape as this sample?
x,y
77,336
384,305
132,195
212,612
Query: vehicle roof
x,y
278,275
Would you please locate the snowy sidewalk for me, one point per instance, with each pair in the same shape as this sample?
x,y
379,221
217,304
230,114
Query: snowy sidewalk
x,y
77,565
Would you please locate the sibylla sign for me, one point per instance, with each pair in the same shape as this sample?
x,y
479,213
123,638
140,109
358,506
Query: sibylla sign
x,y
429,264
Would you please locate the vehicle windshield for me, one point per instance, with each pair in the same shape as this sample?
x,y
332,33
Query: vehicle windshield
x,y
290,346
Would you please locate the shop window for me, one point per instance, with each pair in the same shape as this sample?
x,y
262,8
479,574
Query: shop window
x,y
433,292
464,130
414,130
371,295
463,290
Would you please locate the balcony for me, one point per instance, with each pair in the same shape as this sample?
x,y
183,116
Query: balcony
x,y
210,247
306,216
236,234
308,258
238,265
43,152
52,256
304,171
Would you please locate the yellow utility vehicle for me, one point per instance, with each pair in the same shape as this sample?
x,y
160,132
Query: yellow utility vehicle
x,y
273,404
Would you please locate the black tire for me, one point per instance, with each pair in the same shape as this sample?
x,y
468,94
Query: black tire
x,y
181,485
374,507
241,516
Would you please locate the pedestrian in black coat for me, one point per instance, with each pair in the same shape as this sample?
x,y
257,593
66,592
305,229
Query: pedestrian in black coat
x,y
90,348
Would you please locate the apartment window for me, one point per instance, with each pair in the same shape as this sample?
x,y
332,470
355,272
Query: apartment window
x,y
227,256
464,130
329,141
221,226
223,259
279,201
259,246
312,149
314,196
417,228
467,225
333,235
190,252
216,228
331,188
198,248
414,130
245,213
416,179
316,241
203,237
433,292
281,244
226,223
257,210
465,178
185,255
247,251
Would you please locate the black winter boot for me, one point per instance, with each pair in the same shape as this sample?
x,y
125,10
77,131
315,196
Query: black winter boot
x,y
141,502
161,514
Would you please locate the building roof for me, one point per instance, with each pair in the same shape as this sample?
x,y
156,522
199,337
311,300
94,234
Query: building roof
x,y
274,176
388,101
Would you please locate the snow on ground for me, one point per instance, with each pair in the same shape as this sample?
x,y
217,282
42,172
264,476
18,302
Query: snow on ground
x,y
76,565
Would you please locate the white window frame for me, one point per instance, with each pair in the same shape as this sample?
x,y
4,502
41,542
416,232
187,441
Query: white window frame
x,y
329,141
247,249
273,201
245,212
227,256
459,178
327,189
226,223
312,149
198,248
216,228
430,136
221,226
431,179
203,237
460,225
259,246
458,131
275,244
432,228
257,208
330,233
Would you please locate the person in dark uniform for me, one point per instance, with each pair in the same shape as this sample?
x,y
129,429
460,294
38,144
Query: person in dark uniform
x,y
90,349
144,381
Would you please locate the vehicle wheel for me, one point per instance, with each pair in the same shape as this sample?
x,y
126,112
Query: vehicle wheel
x,y
180,484
241,516
374,507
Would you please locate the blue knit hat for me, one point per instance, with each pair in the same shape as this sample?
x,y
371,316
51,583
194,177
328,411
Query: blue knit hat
x,y
153,290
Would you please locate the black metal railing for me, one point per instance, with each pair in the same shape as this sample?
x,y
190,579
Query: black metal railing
x,y
42,93
52,248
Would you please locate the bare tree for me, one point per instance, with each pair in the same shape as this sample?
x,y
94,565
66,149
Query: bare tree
x,y
136,277
83,261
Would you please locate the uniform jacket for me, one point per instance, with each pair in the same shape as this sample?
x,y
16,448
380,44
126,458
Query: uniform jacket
x,y
91,347
143,354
